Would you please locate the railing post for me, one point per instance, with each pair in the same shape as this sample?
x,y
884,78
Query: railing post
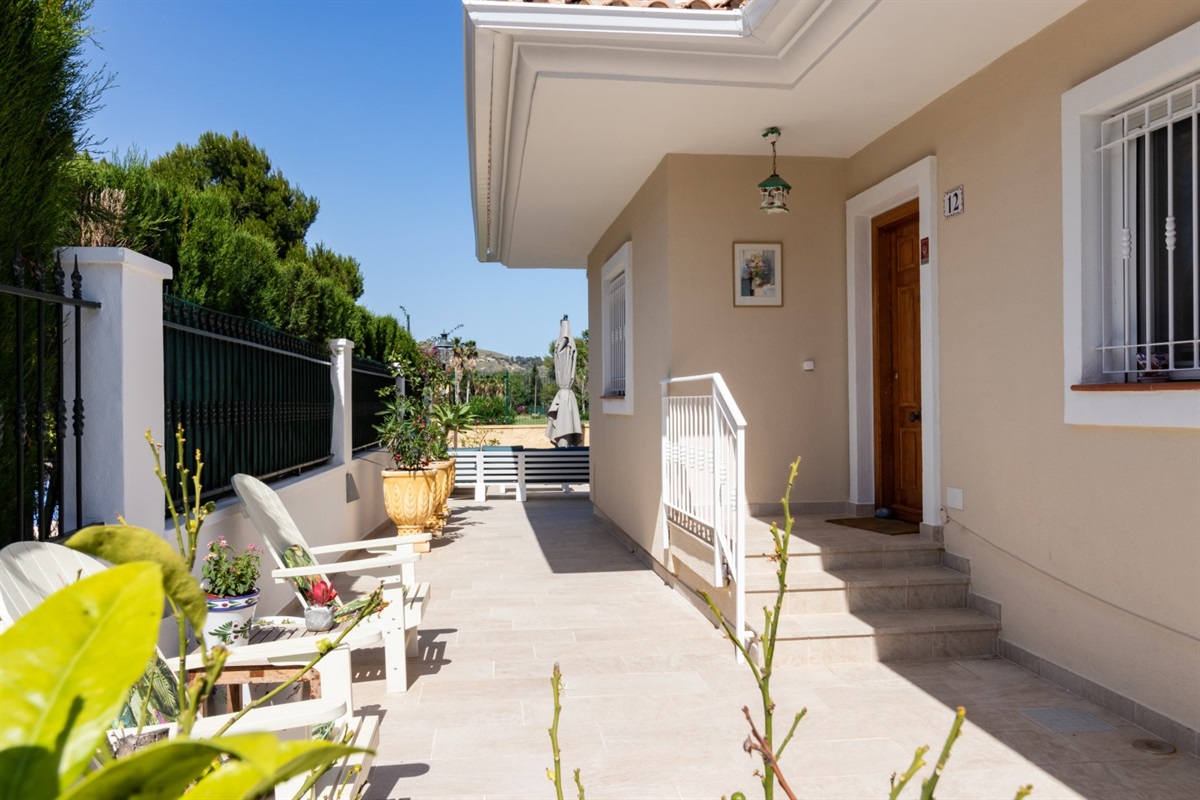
x,y
665,492
121,370
341,376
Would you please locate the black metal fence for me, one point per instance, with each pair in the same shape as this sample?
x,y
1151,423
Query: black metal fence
x,y
251,398
37,319
367,377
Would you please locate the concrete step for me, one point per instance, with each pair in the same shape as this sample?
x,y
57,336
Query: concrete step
x,y
884,636
854,590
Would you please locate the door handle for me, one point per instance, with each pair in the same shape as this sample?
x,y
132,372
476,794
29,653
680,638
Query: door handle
x,y
914,416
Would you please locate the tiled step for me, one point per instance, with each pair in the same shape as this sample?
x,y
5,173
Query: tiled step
x,y
818,554
885,636
854,590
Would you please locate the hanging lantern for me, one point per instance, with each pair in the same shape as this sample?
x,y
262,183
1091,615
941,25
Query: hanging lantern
x,y
774,189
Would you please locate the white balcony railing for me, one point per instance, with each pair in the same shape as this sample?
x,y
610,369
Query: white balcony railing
x,y
704,479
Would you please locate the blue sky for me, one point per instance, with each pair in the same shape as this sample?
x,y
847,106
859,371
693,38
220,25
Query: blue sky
x,y
360,104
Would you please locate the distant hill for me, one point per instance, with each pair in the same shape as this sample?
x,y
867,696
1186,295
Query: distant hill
x,y
491,361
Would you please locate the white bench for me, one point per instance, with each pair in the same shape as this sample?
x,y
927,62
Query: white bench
x,y
520,467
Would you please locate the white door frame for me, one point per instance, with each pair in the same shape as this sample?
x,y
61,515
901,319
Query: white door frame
x,y
917,181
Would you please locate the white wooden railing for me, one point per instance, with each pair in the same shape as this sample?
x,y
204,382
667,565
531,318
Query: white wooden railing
x,y
704,478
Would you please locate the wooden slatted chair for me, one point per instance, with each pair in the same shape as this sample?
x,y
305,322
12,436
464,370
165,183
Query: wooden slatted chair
x,y
405,597
32,571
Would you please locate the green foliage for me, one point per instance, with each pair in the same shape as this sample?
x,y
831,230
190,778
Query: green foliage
x,y
408,433
424,374
123,544
261,197
454,418
47,95
488,410
60,692
66,669
233,227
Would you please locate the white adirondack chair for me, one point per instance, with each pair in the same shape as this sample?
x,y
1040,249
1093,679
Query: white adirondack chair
x,y
393,562
32,571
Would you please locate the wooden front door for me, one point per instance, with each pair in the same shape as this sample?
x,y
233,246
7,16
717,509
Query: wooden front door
x,y
897,309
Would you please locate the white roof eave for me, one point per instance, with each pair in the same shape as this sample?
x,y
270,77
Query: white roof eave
x,y
507,17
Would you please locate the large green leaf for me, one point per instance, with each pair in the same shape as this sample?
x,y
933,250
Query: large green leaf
x,y
265,762
162,771
122,544
65,669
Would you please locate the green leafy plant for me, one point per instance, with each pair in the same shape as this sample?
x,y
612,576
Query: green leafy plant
x,y
454,418
409,434
489,409
228,574
61,692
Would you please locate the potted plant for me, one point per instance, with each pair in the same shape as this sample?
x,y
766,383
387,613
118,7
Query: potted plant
x,y
418,485
455,419
414,442
232,594
319,614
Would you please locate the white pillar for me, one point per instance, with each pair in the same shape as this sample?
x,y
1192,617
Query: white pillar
x,y
341,367
122,377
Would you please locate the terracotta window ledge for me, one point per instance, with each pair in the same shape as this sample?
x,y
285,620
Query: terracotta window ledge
x,y
1165,386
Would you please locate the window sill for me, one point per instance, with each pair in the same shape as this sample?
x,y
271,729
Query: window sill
x,y
1164,386
612,397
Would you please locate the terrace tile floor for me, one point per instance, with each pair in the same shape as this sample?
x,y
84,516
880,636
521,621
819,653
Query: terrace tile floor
x,y
653,697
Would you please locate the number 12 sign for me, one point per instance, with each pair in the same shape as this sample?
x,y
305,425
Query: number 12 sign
x,y
952,202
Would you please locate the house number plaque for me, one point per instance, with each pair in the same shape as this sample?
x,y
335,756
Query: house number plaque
x,y
952,202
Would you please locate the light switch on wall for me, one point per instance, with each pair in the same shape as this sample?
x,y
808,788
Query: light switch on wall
x,y
954,498
810,365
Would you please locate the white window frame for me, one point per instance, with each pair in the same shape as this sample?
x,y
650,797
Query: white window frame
x,y
620,263
1083,109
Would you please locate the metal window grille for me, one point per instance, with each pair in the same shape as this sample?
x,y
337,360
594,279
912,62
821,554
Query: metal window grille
x,y
614,384
1151,304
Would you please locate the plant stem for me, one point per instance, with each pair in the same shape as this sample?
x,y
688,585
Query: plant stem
x,y
555,685
762,676
930,783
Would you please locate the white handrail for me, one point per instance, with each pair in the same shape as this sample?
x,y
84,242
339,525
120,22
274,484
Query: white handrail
x,y
704,478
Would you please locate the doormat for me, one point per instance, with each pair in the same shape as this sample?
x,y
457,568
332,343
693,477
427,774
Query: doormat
x,y
889,527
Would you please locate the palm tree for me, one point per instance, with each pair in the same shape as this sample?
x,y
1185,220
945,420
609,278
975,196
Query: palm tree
x,y
456,362
471,360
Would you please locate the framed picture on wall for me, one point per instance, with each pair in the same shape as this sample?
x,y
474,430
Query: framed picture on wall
x,y
758,274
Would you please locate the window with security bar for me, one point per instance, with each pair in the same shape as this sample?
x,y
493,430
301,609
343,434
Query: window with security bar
x,y
614,385
616,288
1149,157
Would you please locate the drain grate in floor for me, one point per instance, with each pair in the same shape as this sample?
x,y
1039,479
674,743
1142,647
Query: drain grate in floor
x,y
1066,720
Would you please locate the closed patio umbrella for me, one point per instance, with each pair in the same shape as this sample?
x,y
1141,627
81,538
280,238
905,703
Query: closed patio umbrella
x,y
562,425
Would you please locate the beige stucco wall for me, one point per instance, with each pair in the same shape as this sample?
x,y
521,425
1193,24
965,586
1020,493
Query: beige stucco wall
x,y
685,324
1089,537
760,351
625,449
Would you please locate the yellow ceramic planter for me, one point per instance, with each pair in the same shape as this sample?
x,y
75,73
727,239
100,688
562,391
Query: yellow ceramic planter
x,y
410,497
